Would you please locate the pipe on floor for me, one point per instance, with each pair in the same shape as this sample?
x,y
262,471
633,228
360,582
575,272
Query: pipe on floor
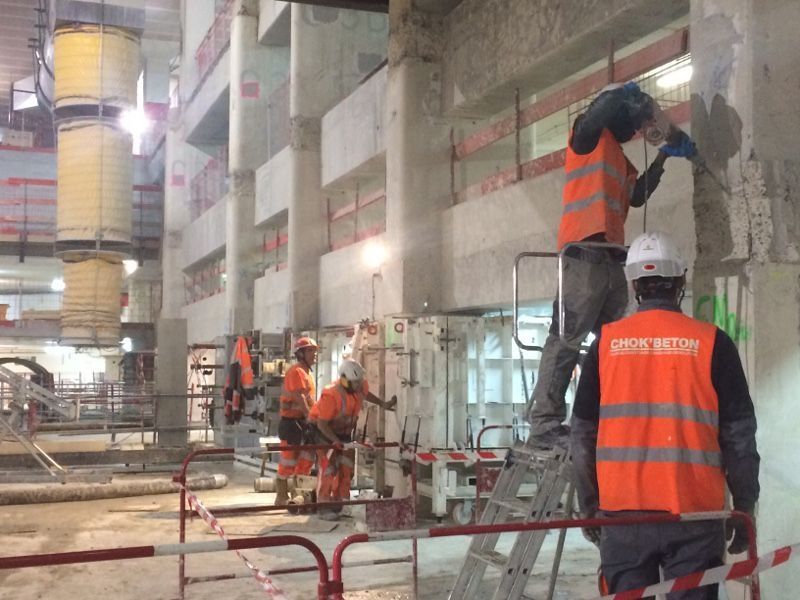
x,y
38,494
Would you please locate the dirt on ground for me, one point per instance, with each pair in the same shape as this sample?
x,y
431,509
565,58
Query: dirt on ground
x,y
153,520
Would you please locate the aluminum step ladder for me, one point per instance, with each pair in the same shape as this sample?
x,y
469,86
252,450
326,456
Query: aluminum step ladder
x,y
23,389
553,472
46,461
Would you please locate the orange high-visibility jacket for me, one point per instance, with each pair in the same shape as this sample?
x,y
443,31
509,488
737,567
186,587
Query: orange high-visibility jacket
x,y
241,383
658,439
597,193
297,383
338,407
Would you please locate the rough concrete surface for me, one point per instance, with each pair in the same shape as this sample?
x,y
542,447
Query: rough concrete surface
x,y
85,525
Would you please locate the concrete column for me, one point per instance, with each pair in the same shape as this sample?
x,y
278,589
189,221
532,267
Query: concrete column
x,y
171,381
176,218
247,151
747,277
417,161
307,220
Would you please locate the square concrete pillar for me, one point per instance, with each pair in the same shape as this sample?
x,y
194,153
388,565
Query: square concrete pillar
x,y
171,369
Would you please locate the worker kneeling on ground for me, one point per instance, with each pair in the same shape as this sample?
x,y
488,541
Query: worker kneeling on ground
x,y
297,399
335,416
662,419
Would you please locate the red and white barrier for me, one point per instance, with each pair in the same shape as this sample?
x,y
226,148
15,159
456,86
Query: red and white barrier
x,y
451,456
737,570
260,576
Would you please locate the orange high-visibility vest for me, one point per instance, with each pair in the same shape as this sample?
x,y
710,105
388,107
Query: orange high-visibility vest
x,y
658,439
347,408
297,383
597,193
234,407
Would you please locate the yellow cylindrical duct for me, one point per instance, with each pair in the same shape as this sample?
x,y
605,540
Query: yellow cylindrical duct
x,y
95,181
94,66
96,72
91,308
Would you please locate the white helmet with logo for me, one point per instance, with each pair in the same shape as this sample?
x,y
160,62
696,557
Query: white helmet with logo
x,y
654,255
351,375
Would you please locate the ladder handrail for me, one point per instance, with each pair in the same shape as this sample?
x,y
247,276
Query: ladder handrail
x,y
560,294
27,388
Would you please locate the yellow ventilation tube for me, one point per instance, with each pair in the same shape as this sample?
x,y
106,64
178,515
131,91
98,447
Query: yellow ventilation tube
x,y
80,51
91,306
95,181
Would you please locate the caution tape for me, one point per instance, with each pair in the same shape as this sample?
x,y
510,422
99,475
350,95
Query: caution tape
x,y
737,570
266,582
451,456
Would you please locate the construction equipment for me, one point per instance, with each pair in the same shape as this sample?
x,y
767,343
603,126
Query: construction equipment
x,y
25,390
552,472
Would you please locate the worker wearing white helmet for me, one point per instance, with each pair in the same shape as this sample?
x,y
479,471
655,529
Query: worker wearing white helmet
x,y
662,421
601,185
335,415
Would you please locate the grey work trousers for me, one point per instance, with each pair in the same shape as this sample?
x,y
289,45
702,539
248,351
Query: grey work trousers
x,y
632,555
595,293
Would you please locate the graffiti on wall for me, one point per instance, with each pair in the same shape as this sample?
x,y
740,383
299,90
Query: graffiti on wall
x,y
714,309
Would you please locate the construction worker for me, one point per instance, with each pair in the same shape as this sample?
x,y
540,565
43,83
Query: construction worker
x,y
662,419
335,417
297,399
601,185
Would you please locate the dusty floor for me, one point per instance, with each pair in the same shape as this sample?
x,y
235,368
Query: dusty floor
x,y
151,520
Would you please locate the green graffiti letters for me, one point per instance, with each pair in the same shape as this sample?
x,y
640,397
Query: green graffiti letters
x,y
714,309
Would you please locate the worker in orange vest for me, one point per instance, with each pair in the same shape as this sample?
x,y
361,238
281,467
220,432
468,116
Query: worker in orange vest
x,y
239,381
335,416
662,421
297,397
601,184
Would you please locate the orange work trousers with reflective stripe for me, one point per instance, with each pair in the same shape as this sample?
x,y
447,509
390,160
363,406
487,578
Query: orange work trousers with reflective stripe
x,y
334,474
294,462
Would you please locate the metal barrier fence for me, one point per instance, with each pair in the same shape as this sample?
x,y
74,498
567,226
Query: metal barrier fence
x,y
405,505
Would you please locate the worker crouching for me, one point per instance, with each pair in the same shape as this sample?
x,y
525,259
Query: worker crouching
x,y
335,415
297,399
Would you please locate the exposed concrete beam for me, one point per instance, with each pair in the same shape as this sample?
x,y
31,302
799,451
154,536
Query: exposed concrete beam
x,y
495,46
368,5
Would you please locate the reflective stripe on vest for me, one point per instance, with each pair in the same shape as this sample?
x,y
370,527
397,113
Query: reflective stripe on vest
x,y
597,192
658,439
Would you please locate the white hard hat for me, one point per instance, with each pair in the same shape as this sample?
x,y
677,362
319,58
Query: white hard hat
x,y
352,371
654,255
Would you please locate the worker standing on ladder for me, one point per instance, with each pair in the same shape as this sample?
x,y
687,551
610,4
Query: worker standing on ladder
x,y
335,416
662,419
297,399
601,184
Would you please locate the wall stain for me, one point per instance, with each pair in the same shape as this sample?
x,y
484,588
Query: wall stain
x,y
714,309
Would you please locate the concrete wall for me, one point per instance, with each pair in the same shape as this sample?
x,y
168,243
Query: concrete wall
x,y
205,235
274,23
495,46
354,131
22,163
205,319
273,186
345,285
205,116
270,308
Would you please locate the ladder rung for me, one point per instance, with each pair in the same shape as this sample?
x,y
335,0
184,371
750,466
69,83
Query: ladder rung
x,y
517,506
491,558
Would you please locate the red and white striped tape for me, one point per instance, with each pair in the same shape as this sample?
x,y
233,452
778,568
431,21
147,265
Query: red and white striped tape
x,y
737,570
451,456
260,576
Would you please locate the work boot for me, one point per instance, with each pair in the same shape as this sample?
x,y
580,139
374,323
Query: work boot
x,y
558,437
281,492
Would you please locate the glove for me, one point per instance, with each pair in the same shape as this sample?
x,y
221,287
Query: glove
x,y
632,88
591,534
737,530
683,147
